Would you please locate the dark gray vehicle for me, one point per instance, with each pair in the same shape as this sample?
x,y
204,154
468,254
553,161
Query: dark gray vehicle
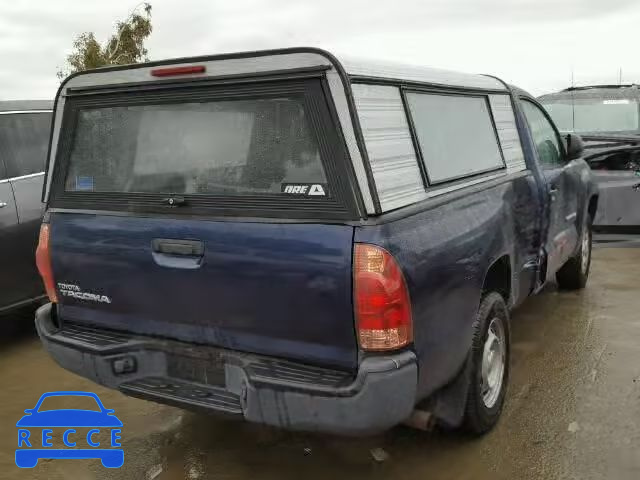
x,y
24,138
608,119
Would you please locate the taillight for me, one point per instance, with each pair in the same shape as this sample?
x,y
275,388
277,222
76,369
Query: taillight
x,y
43,261
382,305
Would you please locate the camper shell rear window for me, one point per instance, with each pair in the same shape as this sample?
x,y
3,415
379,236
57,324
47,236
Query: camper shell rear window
x,y
263,150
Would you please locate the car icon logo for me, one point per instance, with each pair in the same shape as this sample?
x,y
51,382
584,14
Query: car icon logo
x,y
79,429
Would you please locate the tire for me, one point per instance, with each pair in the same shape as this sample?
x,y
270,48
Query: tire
x,y
486,393
574,274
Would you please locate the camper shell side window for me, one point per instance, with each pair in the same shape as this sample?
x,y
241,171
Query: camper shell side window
x,y
456,135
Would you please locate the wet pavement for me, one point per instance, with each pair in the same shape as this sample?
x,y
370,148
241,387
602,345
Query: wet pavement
x,y
573,409
612,240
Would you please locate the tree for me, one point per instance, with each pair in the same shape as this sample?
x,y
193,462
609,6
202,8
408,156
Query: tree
x,y
125,46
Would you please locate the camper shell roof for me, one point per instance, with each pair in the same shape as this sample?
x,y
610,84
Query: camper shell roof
x,y
292,58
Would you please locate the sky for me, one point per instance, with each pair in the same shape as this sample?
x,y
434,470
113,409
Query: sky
x,y
534,44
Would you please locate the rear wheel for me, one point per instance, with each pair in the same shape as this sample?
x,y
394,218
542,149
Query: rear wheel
x,y
574,274
490,355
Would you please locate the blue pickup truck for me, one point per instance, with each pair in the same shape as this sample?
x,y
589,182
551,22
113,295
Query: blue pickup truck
x,y
301,241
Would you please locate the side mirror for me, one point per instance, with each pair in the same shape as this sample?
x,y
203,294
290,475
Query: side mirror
x,y
575,147
29,411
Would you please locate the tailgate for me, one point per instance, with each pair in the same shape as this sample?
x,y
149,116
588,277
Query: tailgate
x,y
276,289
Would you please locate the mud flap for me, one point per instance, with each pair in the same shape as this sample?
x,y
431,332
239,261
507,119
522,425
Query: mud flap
x,y
448,404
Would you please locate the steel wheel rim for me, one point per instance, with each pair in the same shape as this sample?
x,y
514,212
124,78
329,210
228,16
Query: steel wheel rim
x,y
585,251
493,363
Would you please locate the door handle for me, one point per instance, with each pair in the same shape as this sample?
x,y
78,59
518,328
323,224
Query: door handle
x,y
184,254
187,248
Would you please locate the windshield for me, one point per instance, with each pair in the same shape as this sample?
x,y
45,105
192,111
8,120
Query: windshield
x,y
586,115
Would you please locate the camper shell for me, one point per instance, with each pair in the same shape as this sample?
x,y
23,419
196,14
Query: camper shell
x,y
362,93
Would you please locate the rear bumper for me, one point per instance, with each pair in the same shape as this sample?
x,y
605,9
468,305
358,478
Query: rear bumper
x,y
259,389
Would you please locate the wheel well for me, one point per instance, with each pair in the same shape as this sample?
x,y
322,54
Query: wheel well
x,y
498,278
593,206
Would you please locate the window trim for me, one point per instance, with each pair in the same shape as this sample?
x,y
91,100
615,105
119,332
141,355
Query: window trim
x,y
404,90
19,112
21,177
559,137
343,204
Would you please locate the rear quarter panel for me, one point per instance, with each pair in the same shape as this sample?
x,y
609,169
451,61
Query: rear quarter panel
x,y
445,251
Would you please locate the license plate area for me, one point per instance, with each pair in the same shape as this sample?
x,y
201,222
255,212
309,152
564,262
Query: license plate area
x,y
207,370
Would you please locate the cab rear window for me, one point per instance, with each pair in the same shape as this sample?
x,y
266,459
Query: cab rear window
x,y
230,147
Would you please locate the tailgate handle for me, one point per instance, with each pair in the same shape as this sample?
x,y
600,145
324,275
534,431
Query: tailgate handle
x,y
187,248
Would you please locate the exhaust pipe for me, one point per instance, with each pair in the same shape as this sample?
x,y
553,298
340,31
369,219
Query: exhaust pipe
x,y
421,420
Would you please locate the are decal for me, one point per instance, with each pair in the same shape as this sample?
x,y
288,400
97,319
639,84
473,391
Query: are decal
x,y
306,189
